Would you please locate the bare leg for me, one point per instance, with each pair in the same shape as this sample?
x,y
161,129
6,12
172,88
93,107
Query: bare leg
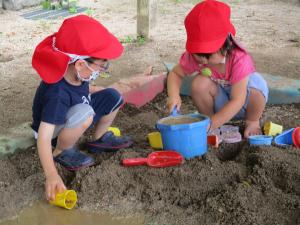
x,y
69,136
103,124
254,112
203,92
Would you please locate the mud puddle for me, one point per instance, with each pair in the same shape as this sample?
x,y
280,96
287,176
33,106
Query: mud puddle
x,y
42,213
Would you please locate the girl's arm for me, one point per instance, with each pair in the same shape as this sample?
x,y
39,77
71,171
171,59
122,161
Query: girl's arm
x,y
93,88
54,182
236,102
173,85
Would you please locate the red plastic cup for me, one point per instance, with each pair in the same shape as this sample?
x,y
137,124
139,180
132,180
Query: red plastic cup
x,y
296,137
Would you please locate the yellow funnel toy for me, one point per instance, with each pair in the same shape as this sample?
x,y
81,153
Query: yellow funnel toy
x,y
272,128
67,199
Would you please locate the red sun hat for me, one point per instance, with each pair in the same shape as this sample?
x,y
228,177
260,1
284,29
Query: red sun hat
x,y
207,26
78,37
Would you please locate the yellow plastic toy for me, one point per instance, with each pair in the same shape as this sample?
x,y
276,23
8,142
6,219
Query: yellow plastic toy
x,y
67,199
155,140
272,128
115,130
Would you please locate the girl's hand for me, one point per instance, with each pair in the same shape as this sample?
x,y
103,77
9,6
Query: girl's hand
x,y
172,102
53,185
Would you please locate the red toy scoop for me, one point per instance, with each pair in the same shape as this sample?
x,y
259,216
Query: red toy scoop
x,y
156,159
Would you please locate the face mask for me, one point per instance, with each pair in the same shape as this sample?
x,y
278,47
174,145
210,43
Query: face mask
x,y
93,76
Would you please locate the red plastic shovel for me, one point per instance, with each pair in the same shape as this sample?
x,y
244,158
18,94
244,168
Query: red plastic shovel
x,y
156,159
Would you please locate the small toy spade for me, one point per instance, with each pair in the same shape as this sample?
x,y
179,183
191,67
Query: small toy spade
x,y
156,159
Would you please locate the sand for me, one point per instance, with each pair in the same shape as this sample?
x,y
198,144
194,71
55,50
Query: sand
x,y
235,184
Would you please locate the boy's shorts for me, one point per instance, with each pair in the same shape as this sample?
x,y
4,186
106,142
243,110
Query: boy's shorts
x,y
255,81
102,103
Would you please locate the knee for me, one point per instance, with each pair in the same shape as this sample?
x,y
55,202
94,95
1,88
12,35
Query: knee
x,y
256,94
87,123
80,115
201,84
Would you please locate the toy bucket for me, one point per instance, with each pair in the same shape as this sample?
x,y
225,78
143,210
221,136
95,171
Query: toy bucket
x,y
272,129
155,140
185,134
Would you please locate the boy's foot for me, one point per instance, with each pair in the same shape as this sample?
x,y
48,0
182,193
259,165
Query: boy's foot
x,y
109,142
252,128
72,159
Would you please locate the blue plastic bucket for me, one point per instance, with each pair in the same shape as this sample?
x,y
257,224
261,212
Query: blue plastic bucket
x,y
185,134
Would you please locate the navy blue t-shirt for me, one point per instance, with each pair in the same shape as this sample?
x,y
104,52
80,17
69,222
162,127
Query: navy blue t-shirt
x,y
52,101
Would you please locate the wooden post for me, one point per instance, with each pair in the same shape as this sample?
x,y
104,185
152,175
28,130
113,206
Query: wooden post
x,y
146,17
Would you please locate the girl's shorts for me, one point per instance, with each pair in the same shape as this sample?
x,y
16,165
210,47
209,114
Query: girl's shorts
x,y
256,81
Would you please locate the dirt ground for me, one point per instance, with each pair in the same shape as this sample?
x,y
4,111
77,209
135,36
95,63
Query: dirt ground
x,y
232,185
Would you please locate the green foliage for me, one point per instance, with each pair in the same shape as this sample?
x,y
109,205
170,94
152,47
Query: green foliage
x,y
127,40
140,40
60,4
89,12
72,10
46,4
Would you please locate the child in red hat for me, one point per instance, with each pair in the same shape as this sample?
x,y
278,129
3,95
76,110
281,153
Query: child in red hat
x,y
226,84
65,105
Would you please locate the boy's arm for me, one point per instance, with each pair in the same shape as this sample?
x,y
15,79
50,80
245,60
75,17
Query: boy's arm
x,y
173,85
93,88
54,182
236,102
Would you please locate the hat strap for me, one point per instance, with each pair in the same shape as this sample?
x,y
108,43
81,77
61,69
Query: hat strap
x,y
73,57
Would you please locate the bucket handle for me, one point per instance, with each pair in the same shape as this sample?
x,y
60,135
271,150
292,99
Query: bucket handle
x,y
174,112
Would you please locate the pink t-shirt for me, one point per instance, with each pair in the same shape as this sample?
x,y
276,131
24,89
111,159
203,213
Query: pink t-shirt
x,y
238,63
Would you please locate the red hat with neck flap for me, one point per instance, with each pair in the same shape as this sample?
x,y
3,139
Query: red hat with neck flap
x,y
78,37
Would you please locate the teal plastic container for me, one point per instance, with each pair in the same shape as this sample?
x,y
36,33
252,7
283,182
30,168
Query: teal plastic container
x,y
186,134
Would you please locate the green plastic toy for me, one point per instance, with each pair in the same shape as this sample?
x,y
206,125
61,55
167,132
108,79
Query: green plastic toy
x,y
206,72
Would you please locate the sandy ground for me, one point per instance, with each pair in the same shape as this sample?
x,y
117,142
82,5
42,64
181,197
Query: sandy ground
x,y
256,186
234,184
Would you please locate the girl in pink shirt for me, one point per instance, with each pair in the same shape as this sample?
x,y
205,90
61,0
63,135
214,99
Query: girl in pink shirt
x,y
225,84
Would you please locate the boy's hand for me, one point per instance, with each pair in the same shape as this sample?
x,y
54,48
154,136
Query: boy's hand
x,y
172,102
54,184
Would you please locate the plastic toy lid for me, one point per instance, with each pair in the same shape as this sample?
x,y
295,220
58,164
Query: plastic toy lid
x,y
296,137
233,137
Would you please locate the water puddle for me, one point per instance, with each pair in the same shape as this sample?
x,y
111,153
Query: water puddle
x,y
42,213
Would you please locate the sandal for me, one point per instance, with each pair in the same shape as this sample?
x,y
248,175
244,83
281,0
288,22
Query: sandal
x,y
109,142
72,159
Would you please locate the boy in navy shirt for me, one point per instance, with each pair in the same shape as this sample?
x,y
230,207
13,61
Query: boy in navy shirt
x,y
65,105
